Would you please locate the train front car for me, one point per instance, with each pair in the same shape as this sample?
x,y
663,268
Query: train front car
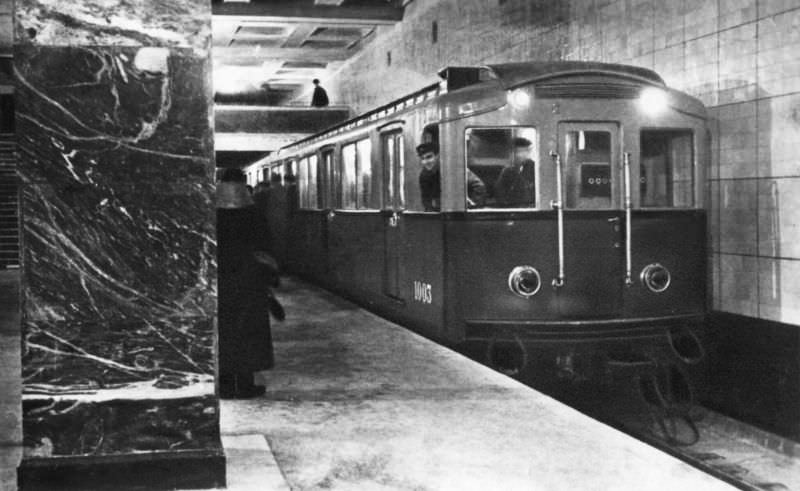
x,y
588,250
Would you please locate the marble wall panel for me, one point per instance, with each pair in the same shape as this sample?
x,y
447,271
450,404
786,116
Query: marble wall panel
x,y
119,249
179,23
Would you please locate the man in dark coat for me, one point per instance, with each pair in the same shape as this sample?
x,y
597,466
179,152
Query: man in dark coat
x,y
320,97
516,185
245,275
430,184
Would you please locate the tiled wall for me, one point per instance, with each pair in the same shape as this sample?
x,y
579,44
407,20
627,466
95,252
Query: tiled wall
x,y
740,57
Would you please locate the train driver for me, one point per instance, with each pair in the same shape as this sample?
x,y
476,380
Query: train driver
x,y
516,185
430,180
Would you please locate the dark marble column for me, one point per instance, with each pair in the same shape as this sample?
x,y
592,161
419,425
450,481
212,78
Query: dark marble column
x,y
119,271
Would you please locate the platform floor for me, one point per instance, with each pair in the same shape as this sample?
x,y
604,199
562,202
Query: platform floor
x,y
359,403
356,402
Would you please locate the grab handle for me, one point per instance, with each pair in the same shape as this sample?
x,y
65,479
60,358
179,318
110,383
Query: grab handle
x,y
626,167
558,205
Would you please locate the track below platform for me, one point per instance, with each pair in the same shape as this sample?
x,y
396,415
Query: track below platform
x,y
748,458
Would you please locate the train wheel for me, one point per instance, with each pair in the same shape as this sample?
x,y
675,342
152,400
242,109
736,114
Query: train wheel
x,y
686,345
507,356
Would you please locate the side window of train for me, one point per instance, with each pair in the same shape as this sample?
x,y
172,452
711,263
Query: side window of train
x,y
666,176
307,182
328,178
413,174
503,160
290,171
392,151
588,170
356,175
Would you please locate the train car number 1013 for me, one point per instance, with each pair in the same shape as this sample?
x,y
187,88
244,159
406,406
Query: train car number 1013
x,y
423,292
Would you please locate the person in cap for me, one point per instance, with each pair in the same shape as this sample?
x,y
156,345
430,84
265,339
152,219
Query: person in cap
x,y
320,97
430,184
245,275
516,185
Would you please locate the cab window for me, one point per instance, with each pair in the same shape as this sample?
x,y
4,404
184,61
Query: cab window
x,y
501,163
666,174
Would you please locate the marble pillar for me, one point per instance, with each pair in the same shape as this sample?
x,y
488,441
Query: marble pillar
x,y
119,272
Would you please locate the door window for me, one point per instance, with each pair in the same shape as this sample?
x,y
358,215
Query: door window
x,y
666,169
589,180
328,191
394,165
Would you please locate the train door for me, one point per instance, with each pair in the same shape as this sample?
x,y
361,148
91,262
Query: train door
x,y
328,198
591,242
393,206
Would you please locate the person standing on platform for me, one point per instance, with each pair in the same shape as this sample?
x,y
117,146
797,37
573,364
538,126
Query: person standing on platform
x,y
320,97
246,274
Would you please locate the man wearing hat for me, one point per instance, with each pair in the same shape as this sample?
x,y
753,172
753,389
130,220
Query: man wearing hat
x,y
430,185
516,185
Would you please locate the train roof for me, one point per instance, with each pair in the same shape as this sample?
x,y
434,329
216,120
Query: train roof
x,y
508,75
513,74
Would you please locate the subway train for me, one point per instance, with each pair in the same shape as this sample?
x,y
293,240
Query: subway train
x,y
599,267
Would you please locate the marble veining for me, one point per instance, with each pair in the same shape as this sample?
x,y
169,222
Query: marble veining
x,y
176,23
117,197
119,267
64,428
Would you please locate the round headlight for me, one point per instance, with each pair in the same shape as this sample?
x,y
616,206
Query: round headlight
x,y
519,99
524,281
656,277
653,101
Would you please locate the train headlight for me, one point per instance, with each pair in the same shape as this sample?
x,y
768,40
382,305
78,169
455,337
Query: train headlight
x,y
655,277
653,101
524,281
519,99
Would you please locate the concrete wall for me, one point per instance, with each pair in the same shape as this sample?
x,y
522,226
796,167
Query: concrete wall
x,y
740,57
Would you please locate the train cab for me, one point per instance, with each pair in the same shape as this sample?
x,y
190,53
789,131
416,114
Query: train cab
x,y
568,213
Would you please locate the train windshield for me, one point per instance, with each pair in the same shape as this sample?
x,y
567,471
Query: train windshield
x,y
666,174
501,167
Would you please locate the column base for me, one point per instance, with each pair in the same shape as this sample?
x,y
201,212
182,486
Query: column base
x,y
157,471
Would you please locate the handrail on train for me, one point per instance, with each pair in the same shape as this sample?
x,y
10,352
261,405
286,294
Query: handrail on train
x,y
626,166
558,205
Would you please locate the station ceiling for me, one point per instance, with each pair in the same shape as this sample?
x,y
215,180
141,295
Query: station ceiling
x,y
268,51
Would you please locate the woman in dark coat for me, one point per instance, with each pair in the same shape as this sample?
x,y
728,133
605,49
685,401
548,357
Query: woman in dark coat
x,y
245,274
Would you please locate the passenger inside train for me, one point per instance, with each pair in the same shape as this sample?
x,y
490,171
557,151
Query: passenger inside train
x,y
430,180
516,186
502,158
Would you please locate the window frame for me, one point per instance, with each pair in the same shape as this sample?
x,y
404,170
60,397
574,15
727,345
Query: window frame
x,y
390,200
695,177
537,162
329,193
368,205
615,130
304,181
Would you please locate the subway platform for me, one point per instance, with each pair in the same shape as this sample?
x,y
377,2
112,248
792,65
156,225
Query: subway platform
x,y
357,402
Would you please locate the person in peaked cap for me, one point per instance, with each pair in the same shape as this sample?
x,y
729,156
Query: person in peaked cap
x,y
430,183
246,274
516,185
